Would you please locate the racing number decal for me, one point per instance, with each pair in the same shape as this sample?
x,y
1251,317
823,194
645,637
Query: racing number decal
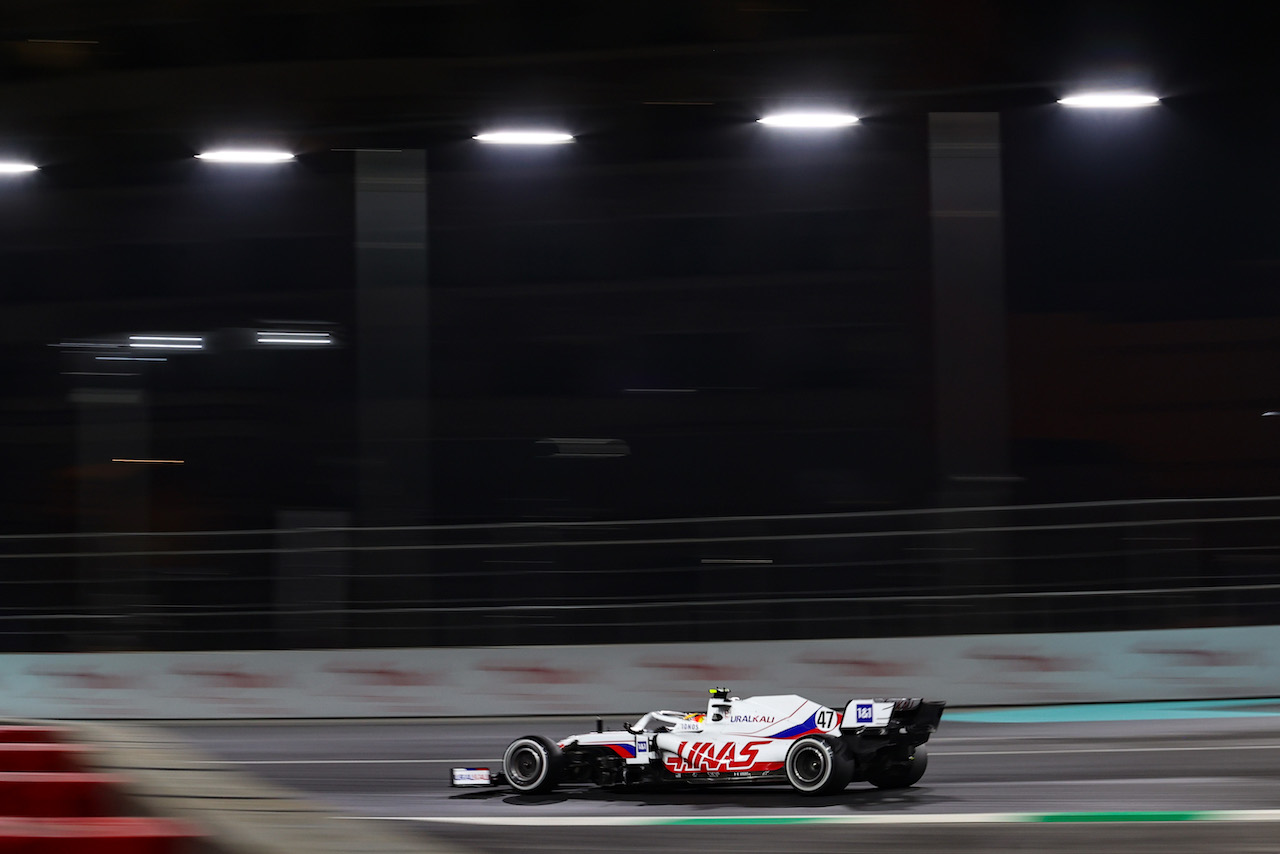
x,y
824,719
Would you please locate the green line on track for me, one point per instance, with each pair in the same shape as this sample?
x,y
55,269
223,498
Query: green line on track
x,y
1144,815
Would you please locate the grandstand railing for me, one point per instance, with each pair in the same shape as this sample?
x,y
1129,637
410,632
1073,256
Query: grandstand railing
x,y
1026,568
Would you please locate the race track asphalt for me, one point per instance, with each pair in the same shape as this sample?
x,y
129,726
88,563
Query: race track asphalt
x,y
1168,778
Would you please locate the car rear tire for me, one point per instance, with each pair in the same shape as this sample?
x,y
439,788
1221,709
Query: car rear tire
x,y
899,772
532,764
818,765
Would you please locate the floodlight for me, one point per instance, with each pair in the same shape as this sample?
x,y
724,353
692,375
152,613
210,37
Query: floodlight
x,y
166,342
809,120
1110,100
524,137
267,336
245,155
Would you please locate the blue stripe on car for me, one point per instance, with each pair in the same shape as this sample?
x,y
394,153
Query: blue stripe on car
x,y
799,729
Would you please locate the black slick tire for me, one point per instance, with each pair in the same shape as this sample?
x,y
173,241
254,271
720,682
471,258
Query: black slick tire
x,y
818,765
899,772
532,764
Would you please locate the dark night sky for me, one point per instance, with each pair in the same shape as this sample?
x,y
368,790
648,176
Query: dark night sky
x,y
673,244
1164,200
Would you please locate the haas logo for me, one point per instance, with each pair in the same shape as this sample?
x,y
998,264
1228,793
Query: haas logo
x,y
709,756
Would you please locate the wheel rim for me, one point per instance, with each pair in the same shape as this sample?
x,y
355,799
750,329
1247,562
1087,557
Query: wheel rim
x,y
809,765
526,764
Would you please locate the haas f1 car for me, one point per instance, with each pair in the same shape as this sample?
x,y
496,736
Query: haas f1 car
x,y
816,749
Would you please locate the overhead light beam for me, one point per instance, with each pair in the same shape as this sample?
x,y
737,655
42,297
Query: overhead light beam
x,y
166,342
809,120
524,137
245,155
1109,100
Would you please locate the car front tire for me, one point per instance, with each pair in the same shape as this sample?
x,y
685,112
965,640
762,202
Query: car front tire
x,y
532,764
818,765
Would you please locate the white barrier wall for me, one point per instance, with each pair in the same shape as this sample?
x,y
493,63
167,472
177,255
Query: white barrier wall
x,y
964,670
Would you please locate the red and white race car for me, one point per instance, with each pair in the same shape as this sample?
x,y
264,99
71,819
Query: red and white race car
x,y
784,738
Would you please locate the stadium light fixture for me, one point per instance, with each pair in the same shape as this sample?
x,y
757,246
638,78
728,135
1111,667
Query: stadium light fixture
x,y
166,342
809,120
245,155
294,339
1110,100
524,137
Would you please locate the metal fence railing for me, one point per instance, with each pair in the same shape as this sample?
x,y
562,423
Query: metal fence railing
x,y
963,570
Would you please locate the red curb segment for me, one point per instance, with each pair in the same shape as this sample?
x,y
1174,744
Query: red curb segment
x,y
51,806
53,794
29,734
224,811
105,835
37,756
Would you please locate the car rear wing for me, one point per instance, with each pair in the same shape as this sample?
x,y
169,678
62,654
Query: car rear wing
x,y
910,714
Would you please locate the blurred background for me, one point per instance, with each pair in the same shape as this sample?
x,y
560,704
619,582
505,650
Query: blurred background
x,y
978,362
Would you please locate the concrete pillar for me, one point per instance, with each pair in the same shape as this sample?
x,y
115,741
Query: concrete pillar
x,y
392,334
112,423
391,340
970,372
972,406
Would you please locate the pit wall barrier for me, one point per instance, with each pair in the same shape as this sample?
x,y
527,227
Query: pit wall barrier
x,y
965,670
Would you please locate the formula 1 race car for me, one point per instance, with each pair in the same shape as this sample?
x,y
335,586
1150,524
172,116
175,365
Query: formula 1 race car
x,y
818,750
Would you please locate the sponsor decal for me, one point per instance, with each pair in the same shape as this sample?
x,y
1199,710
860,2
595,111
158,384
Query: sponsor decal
x,y
701,674
691,722
864,713
865,667
1204,657
710,756
1029,663
383,675
92,679
536,674
751,719
232,678
471,777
